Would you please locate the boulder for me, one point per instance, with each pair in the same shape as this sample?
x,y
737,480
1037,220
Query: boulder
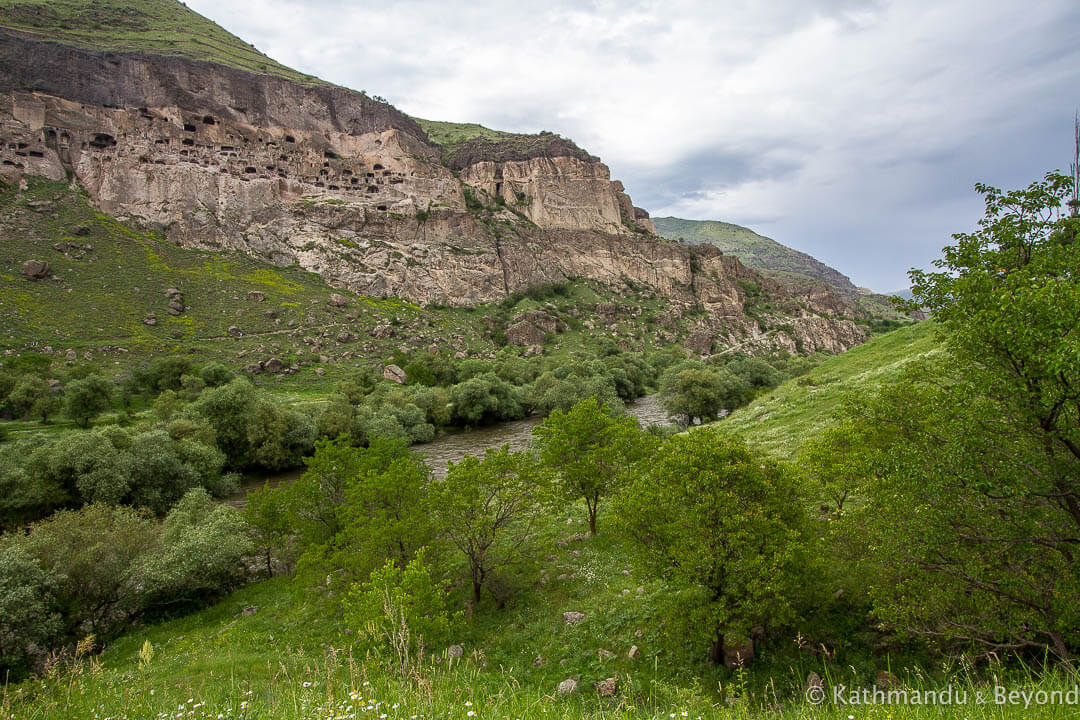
x,y
700,343
150,320
607,687
573,617
634,652
394,373
738,653
273,365
336,300
524,333
567,686
234,331
534,350
36,270
886,680
257,296
251,610
382,332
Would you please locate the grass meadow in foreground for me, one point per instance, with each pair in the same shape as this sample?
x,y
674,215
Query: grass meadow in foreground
x,y
273,651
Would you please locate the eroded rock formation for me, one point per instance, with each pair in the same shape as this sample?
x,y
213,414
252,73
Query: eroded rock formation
x,y
352,189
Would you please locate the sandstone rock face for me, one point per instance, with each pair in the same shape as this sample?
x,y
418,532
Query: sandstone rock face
x,y
352,189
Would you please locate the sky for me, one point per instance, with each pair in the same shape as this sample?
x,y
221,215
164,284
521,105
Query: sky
x,y
853,130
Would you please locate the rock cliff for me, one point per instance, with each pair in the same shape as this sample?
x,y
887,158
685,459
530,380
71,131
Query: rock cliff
x,y
350,188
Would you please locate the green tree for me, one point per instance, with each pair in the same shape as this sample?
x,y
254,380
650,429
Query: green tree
x,y
268,515
28,618
96,555
85,399
402,609
725,526
487,508
700,392
32,395
974,508
591,451
202,553
385,515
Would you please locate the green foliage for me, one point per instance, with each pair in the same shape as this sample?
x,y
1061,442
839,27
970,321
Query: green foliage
x,y
32,395
726,527
701,392
268,515
486,508
385,516
215,374
86,399
485,399
591,452
28,618
402,610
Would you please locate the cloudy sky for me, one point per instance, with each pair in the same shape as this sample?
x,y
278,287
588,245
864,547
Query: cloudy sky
x,y
853,130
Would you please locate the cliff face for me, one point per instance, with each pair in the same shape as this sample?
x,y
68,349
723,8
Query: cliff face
x,y
348,187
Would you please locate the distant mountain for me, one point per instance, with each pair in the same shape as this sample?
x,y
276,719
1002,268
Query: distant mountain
x,y
757,251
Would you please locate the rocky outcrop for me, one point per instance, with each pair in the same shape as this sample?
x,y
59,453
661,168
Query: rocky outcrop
x,y
350,188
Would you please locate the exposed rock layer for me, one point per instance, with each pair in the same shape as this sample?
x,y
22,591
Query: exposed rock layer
x,y
352,189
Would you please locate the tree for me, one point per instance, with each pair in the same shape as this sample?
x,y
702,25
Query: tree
x,y
486,508
725,526
385,516
28,618
32,395
701,392
85,399
974,506
591,451
267,515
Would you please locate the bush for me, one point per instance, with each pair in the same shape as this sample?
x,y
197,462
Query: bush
x,y
85,399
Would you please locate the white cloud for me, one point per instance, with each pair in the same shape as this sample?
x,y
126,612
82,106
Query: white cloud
x,y
851,129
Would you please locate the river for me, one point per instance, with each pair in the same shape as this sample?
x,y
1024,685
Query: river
x,y
453,446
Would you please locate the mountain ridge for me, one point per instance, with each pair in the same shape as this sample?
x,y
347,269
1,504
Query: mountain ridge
x,y
221,158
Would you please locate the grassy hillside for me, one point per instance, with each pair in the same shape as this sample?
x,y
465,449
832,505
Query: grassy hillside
x,y
466,143
109,276
164,27
782,420
756,251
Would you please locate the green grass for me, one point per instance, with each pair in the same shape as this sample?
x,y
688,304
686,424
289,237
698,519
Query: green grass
x,y
295,657
449,133
162,27
785,418
466,143
756,251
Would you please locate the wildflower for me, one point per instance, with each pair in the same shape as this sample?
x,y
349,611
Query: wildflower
x,y
471,713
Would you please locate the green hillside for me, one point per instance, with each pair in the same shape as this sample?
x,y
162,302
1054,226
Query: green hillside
x,y
163,27
756,251
785,418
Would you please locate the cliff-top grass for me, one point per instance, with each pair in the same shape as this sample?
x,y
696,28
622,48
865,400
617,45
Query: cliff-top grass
x,y
160,27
